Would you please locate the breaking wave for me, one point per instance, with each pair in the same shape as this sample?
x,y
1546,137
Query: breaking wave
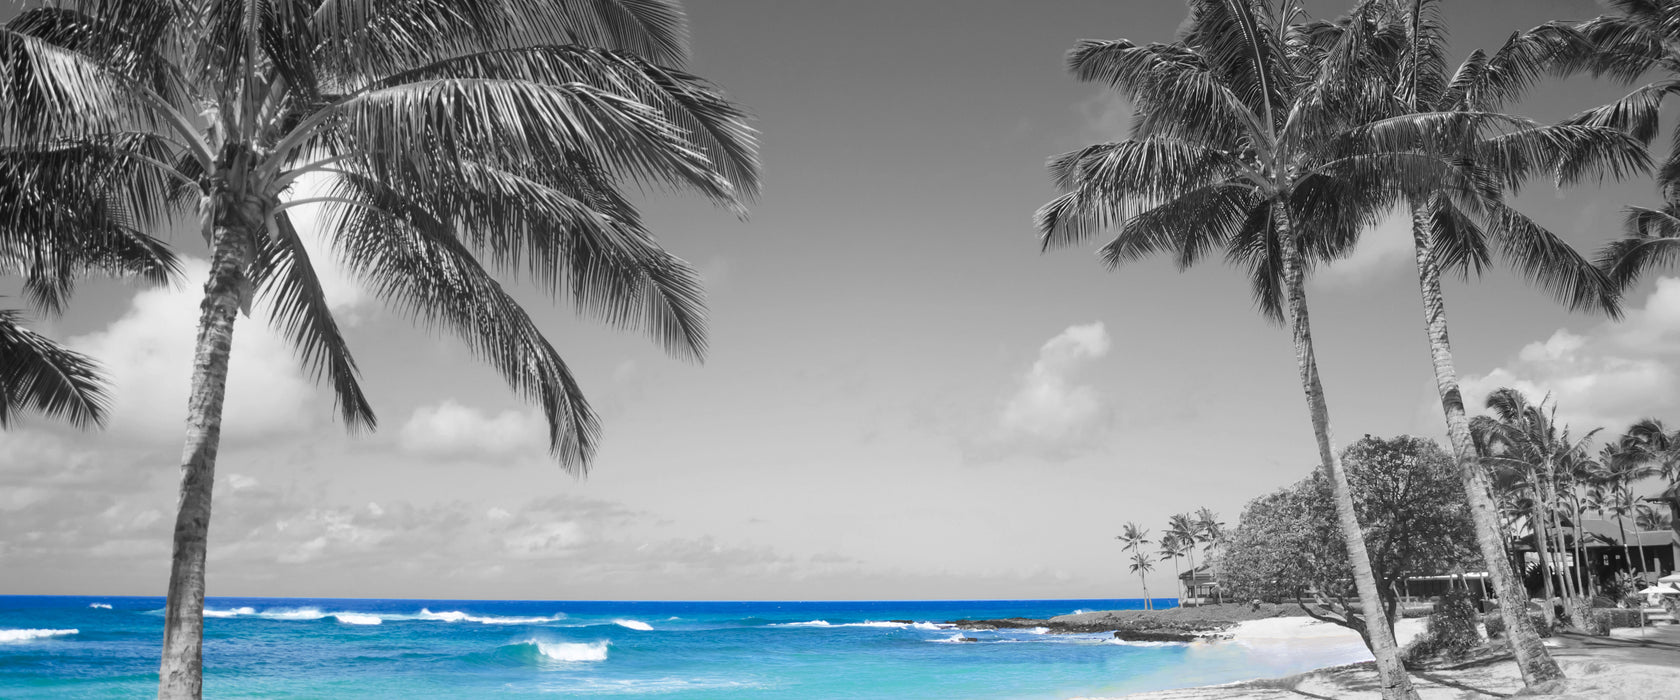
x,y
458,616
26,635
634,624
100,606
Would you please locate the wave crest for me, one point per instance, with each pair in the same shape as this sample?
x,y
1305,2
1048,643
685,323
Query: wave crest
x,y
100,606
458,616
634,624
26,635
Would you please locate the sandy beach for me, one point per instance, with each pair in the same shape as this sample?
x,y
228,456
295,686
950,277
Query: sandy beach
x,y
1631,664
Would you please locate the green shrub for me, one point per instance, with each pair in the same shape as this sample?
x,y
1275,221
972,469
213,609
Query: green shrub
x,y
1619,617
1451,631
1496,623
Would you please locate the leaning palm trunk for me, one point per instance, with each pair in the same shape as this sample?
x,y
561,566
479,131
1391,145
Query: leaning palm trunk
x,y
1588,580
1533,660
1566,577
1391,672
179,676
1627,552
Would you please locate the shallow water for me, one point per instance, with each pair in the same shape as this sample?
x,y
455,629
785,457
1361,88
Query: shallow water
x,y
95,647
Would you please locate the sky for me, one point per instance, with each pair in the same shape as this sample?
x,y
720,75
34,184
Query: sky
x,y
903,398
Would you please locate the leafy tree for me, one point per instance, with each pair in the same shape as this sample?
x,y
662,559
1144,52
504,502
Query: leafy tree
x,y
461,139
1405,491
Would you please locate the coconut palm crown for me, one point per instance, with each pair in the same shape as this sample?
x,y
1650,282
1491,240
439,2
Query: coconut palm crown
x,y
458,141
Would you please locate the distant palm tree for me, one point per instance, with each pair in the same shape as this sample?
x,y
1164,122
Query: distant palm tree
x,y
1142,565
1656,451
1212,533
1173,547
1133,539
1525,437
1649,518
459,137
1449,236
1183,528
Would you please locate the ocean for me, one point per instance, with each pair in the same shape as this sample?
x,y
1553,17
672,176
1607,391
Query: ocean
x,y
107,647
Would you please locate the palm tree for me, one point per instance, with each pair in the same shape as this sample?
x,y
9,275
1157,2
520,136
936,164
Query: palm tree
x,y
1245,140
458,138
37,374
1183,528
1173,547
1449,236
1525,436
1142,565
1656,452
1211,532
1133,539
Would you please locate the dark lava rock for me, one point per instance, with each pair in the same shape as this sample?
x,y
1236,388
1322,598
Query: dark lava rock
x,y
902,622
1133,635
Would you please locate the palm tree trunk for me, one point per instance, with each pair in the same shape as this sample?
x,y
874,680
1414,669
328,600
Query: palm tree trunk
x,y
1391,671
1148,602
1585,582
1193,574
180,677
1178,578
1218,591
1543,543
1627,552
1534,661
1571,593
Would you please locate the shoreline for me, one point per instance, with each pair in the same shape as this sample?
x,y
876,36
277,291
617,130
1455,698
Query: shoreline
x,y
1208,622
1630,664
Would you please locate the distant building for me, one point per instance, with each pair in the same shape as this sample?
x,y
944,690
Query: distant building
x,y
1656,550
1198,587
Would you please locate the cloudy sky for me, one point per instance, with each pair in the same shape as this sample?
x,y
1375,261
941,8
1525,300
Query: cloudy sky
x,y
904,399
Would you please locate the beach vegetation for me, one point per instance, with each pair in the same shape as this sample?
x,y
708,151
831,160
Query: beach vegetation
x,y
450,141
1452,630
1283,549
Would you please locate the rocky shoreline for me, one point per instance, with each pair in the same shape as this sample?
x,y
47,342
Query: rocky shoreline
x,y
1170,625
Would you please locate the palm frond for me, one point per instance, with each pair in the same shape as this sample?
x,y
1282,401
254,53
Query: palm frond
x,y
39,375
1550,263
286,279
1187,226
410,258
1651,238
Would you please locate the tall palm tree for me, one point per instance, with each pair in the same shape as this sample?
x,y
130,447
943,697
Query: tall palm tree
x,y
1142,565
459,138
1448,236
1133,539
1248,138
1656,452
1212,533
1173,547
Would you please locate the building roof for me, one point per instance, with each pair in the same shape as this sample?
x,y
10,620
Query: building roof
x,y
1605,533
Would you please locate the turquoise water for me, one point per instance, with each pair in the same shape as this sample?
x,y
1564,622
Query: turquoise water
x,y
98,647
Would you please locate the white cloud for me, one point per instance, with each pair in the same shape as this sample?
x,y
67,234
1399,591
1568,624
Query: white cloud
x,y
1383,252
1048,406
1606,377
451,430
148,355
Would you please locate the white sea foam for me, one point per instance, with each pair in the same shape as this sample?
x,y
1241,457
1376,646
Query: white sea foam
x,y
1124,643
211,612
953,639
101,606
634,624
26,635
458,616
572,651
291,614
807,623
930,626
349,618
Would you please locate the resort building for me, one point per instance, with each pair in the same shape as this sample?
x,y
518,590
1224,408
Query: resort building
x,y
1198,587
1607,552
